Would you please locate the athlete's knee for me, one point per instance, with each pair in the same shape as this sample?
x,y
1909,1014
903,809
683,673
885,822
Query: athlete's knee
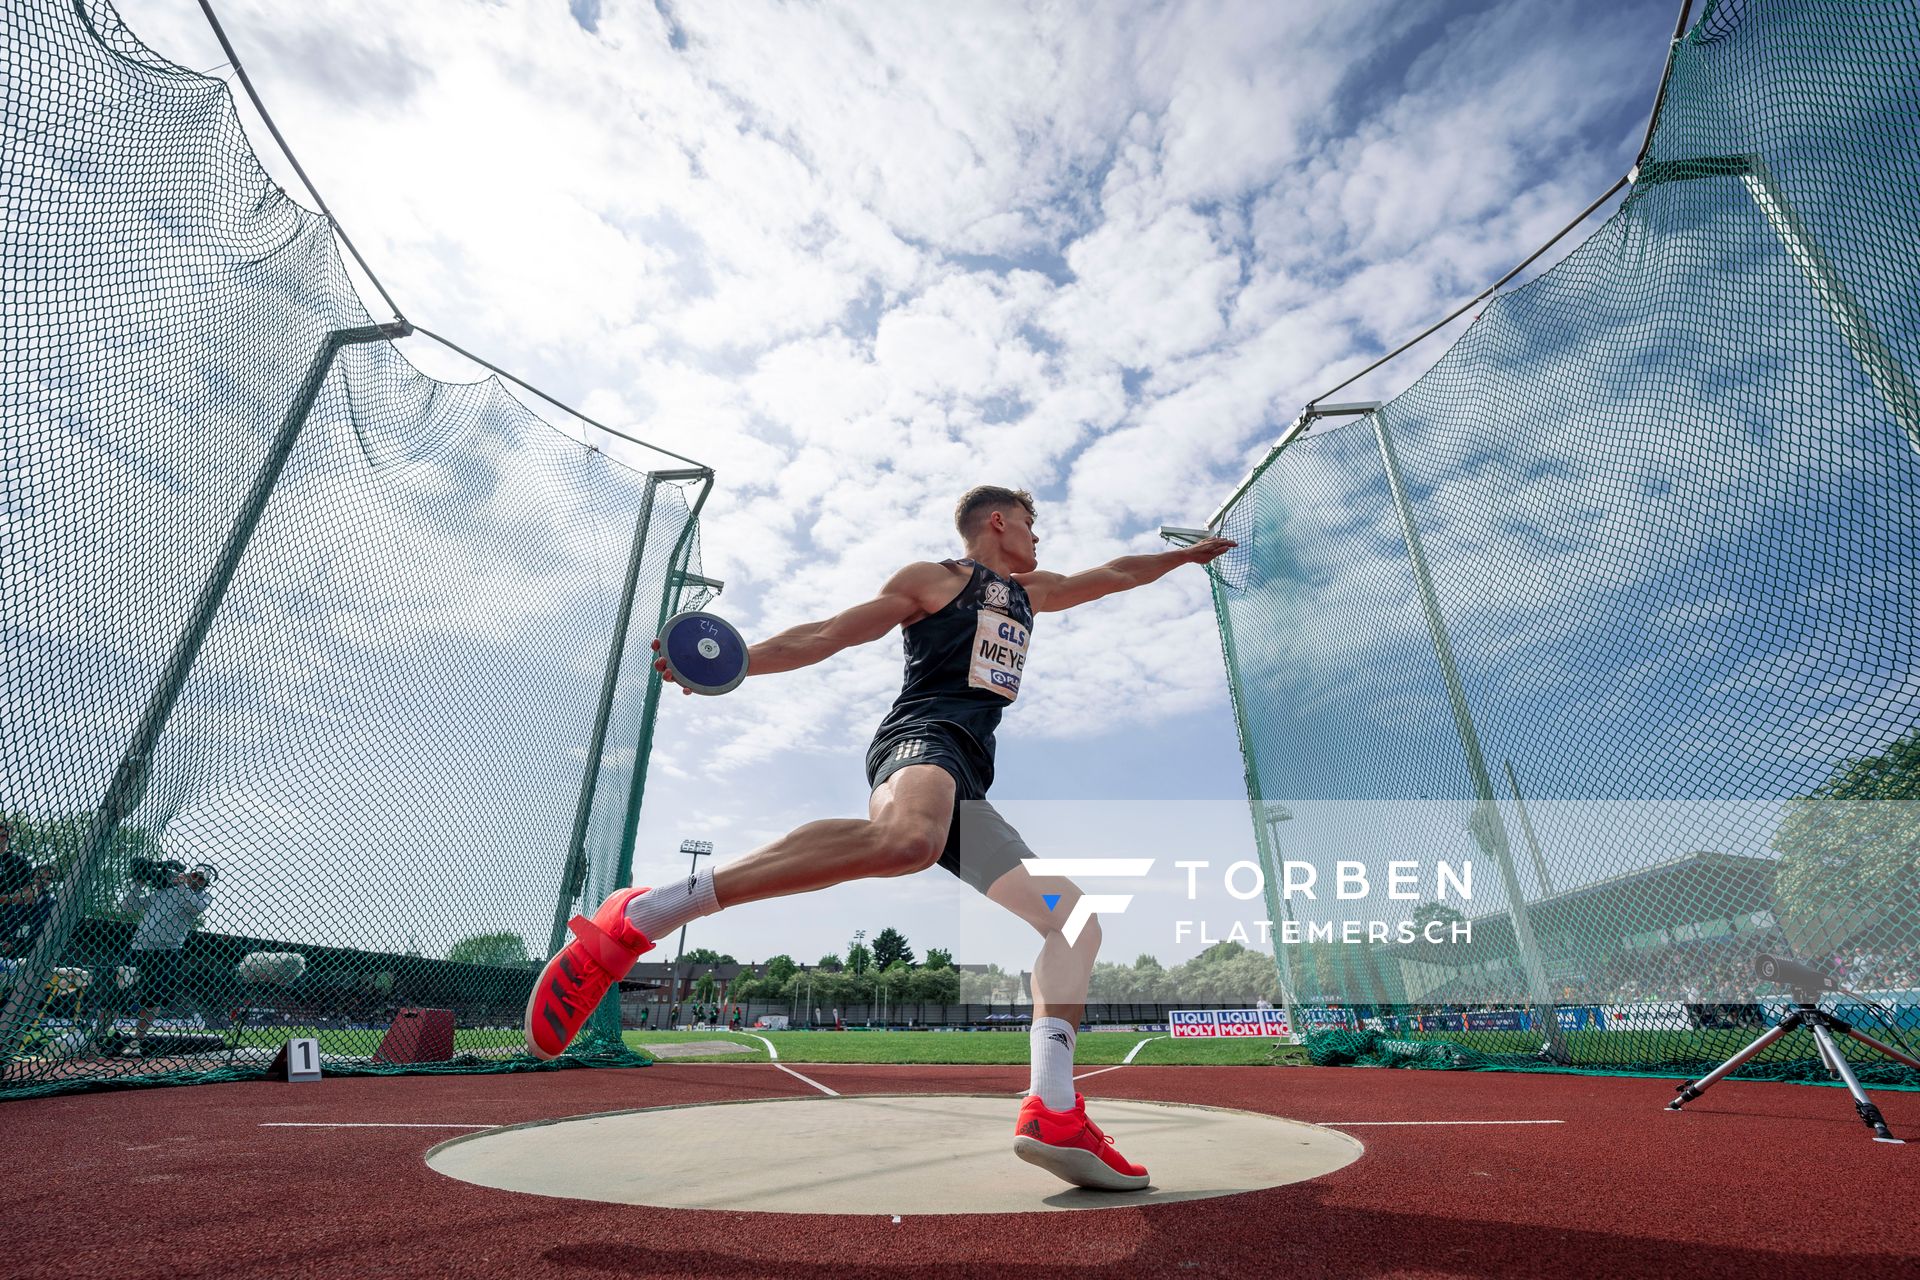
x,y
1052,925
901,850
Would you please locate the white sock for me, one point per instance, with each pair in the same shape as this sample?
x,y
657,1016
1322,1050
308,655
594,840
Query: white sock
x,y
1052,1079
664,908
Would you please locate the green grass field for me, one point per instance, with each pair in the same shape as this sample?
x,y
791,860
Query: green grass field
x,y
1101,1048
1096,1048
363,1043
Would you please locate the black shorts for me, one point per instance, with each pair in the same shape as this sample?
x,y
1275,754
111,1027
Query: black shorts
x,y
160,974
981,845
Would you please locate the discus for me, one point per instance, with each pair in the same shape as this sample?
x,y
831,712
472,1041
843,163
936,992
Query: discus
x,y
703,652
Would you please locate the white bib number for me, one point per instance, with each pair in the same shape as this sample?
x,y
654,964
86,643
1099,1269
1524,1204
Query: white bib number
x,y
999,654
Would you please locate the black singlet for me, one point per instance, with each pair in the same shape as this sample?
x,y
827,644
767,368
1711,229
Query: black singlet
x,y
964,662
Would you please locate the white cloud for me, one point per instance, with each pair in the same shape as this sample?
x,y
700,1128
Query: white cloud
x,y
860,258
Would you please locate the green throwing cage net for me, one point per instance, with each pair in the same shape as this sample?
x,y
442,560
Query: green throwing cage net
x,y
1618,602
279,606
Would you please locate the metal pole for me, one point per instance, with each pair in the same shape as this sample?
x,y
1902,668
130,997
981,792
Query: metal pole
x,y
1275,815
1888,376
130,777
1488,827
1262,837
606,1019
573,870
669,603
1533,841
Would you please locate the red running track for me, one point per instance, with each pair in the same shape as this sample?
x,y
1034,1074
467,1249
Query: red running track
x,y
1754,1180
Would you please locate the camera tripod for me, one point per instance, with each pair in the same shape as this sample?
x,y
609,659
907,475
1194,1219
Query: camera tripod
x,y
1823,1025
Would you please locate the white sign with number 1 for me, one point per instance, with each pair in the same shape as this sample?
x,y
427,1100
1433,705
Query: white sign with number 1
x,y
303,1060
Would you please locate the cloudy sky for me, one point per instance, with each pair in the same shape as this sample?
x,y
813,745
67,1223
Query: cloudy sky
x,y
859,258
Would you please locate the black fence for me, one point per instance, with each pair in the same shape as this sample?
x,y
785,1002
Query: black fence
x,y
340,986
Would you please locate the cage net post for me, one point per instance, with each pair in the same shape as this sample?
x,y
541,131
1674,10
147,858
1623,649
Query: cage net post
x,y
1667,497
616,860
374,734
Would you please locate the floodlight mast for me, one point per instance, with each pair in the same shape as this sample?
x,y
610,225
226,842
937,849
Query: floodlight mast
x,y
699,849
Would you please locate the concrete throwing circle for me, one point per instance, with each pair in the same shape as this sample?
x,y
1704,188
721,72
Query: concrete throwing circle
x,y
916,1154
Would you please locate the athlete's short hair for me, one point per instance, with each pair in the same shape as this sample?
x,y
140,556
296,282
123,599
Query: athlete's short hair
x,y
982,501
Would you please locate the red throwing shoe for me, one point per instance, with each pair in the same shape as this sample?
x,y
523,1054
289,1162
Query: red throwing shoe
x,y
1071,1147
574,982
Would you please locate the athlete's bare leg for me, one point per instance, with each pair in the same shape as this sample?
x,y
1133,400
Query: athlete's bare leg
x,y
905,831
1061,972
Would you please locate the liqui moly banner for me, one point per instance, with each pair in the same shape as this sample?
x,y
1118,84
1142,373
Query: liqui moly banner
x,y
1201,1024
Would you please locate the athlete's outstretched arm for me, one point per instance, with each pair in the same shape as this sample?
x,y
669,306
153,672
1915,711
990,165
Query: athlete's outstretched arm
x,y
901,600
1052,592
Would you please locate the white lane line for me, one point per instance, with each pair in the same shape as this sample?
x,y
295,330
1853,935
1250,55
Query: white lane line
x,y
772,1053
1341,1124
1084,1075
781,1066
1137,1048
363,1124
1102,1071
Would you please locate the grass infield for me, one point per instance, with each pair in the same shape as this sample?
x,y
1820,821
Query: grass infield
x,y
1095,1049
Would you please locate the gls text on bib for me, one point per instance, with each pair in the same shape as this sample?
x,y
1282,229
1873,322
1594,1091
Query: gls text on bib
x,y
999,654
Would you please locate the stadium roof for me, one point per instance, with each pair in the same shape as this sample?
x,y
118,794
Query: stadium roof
x,y
1696,888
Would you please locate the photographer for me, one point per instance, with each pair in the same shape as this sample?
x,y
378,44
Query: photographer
x,y
26,897
170,898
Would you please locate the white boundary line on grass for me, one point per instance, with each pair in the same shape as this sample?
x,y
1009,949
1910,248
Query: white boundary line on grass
x,y
773,1060
1124,1062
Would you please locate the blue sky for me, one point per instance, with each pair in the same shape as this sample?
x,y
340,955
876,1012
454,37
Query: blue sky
x,y
860,258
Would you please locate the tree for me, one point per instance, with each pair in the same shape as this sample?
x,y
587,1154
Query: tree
x,y
995,986
781,968
500,950
58,842
1850,853
889,946
858,958
1223,973
1428,912
706,955
744,989
830,963
703,988
934,986
938,958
